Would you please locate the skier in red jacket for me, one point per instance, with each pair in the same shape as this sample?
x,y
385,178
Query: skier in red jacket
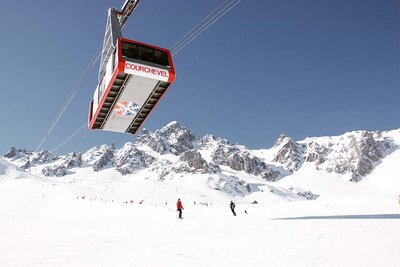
x,y
179,208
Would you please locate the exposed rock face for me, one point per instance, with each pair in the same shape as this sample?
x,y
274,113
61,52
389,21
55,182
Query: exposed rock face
x,y
61,164
129,159
356,154
221,149
11,153
236,162
307,195
230,185
48,171
20,157
316,153
71,160
364,152
155,142
100,157
174,149
42,157
26,165
290,153
173,138
17,153
179,138
192,162
26,159
252,165
58,171
239,159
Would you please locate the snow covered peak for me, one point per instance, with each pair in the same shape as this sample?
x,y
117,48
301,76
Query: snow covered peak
x,y
14,153
174,148
130,159
24,158
100,157
172,138
210,141
282,139
174,130
172,124
289,153
353,153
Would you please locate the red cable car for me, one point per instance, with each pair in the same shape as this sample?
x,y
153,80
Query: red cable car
x,y
133,76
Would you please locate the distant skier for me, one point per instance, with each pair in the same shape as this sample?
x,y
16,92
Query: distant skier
x,y
232,205
179,208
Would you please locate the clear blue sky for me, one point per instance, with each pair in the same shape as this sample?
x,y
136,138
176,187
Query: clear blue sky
x,y
300,67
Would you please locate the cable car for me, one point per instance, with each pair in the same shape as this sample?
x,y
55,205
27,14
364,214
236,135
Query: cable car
x,y
133,76
135,79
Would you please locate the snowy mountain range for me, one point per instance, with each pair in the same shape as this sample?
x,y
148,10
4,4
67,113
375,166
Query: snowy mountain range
x,y
322,201
230,168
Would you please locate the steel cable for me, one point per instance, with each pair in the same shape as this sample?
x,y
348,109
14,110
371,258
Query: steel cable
x,y
74,91
205,26
209,20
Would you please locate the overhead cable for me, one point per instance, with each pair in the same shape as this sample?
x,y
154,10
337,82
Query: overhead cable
x,y
204,26
75,90
69,138
200,23
209,20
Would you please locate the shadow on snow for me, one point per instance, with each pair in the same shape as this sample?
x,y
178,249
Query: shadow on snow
x,y
344,217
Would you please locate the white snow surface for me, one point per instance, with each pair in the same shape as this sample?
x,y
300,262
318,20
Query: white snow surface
x,y
103,218
95,219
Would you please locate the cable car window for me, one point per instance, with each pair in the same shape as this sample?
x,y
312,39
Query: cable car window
x,y
145,53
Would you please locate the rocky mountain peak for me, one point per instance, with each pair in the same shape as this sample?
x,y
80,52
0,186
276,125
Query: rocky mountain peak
x,y
175,149
172,138
211,141
174,129
366,146
100,157
156,142
193,162
353,153
42,157
15,153
11,153
25,159
289,153
130,159
283,138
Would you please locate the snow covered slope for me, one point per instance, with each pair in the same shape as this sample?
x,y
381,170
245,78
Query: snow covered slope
x,y
175,157
326,201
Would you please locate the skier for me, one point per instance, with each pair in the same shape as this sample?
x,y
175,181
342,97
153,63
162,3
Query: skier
x,y
232,205
179,208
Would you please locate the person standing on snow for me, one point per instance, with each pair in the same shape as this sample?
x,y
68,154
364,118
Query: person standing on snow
x,y
179,208
232,205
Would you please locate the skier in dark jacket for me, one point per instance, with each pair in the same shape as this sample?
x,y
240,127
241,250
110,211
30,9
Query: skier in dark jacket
x,y
232,205
179,208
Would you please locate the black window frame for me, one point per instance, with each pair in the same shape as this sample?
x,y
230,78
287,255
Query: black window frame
x,y
145,54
